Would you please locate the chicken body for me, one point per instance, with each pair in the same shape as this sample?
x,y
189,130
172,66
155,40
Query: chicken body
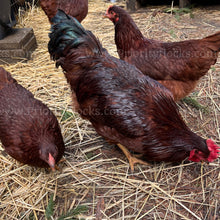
x,y
176,65
123,105
29,131
75,8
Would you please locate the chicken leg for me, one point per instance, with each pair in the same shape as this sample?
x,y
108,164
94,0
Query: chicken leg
x,y
132,159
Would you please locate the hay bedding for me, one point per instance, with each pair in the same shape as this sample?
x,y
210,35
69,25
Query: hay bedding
x,y
96,174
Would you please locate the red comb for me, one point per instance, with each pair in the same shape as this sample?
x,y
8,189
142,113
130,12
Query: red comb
x,y
214,150
106,13
110,6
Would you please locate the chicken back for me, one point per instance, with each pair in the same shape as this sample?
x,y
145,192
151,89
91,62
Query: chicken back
x,y
176,65
123,104
29,131
75,8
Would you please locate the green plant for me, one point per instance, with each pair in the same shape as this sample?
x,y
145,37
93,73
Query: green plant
x,y
70,215
213,69
195,104
172,33
50,208
179,11
66,115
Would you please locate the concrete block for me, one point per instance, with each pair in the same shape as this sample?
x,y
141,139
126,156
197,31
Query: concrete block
x,y
18,46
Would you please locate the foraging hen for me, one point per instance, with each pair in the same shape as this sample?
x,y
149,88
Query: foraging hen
x,y
124,106
29,131
176,65
75,8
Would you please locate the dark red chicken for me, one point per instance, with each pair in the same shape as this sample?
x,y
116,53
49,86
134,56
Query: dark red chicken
x,y
124,106
29,131
176,65
75,8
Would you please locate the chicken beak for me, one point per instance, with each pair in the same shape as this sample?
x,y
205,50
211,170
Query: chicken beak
x,y
105,16
52,163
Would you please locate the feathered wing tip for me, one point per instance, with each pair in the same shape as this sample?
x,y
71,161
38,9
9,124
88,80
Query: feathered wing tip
x,y
214,150
214,41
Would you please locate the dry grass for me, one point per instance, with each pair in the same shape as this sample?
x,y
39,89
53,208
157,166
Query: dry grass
x,y
96,174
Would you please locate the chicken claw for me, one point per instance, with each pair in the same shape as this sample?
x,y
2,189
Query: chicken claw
x,y
132,159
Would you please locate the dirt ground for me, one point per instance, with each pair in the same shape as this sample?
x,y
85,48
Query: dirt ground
x,y
96,174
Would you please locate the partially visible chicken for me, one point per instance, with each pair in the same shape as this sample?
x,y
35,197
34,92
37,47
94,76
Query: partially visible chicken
x,y
176,65
124,106
29,131
75,8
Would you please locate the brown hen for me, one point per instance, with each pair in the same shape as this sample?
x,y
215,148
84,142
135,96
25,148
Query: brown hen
x,y
124,106
176,65
29,131
75,8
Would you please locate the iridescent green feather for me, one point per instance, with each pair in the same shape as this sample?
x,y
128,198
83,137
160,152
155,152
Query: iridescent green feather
x,y
66,32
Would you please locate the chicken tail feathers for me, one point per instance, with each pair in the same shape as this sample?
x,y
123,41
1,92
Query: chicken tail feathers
x,y
214,41
5,78
68,34
61,17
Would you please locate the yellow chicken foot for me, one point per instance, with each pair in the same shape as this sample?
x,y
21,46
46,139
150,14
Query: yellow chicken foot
x,y
132,159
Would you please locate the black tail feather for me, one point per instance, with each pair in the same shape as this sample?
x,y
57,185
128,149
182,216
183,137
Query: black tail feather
x,y
68,33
